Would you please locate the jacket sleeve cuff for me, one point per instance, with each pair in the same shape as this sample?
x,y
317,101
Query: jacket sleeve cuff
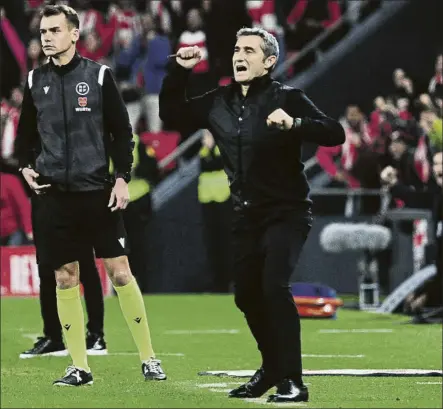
x,y
23,166
126,176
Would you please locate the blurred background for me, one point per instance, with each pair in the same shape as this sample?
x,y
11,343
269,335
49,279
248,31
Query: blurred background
x,y
375,65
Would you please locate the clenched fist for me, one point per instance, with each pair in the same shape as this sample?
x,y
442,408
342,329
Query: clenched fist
x,y
189,57
280,119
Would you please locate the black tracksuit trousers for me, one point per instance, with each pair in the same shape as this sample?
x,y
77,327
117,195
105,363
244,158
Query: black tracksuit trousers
x,y
265,255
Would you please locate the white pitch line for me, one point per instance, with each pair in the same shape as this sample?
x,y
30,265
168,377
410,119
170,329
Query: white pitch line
x,y
225,384
220,390
428,383
263,401
331,356
31,336
202,331
336,372
355,331
136,353
218,385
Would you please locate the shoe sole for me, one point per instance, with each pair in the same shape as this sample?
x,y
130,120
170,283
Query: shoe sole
x,y
55,353
156,379
67,384
288,400
97,352
273,399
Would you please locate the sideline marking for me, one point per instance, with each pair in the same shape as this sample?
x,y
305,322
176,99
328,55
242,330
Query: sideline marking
x,y
355,331
331,356
159,354
201,331
338,372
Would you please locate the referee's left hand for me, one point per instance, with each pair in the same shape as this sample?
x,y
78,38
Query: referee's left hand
x,y
119,195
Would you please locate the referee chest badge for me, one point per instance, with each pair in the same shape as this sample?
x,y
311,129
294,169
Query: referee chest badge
x,y
83,104
82,101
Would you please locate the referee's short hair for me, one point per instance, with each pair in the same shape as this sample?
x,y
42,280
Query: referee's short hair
x,y
54,10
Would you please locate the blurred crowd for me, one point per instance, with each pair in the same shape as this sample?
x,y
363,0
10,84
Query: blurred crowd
x,y
135,38
403,131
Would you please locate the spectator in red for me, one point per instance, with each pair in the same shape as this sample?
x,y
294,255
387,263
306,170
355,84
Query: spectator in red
x,y
358,139
168,15
90,18
15,212
381,120
95,48
194,35
403,109
9,131
34,4
124,20
422,159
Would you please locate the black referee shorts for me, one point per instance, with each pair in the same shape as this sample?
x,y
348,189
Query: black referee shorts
x,y
70,223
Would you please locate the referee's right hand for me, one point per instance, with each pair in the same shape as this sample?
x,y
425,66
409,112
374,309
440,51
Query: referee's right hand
x,y
31,176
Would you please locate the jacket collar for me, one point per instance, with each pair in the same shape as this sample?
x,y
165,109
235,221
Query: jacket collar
x,y
64,69
256,85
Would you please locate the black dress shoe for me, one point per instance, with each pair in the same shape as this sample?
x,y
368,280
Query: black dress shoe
x,y
243,389
255,387
288,391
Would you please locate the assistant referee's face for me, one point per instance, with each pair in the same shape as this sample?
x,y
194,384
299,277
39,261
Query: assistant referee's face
x,y
57,35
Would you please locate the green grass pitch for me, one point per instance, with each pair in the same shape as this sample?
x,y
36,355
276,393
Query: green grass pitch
x,y
118,381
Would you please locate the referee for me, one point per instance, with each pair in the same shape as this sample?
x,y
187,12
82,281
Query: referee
x,y
74,120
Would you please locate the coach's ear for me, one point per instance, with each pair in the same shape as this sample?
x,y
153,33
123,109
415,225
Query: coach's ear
x,y
270,62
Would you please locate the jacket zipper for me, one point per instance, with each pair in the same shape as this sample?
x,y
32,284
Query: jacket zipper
x,y
66,136
239,153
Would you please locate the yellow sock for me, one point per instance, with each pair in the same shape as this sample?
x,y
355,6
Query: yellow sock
x,y
70,312
133,309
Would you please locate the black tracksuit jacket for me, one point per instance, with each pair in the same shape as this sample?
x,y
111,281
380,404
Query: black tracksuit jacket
x,y
263,164
73,120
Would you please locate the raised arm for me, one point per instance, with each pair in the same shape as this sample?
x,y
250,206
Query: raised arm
x,y
315,126
175,107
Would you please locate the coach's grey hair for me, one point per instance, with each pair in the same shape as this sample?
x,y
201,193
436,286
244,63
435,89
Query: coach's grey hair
x,y
270,44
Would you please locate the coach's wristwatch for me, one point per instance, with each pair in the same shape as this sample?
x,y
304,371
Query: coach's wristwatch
x,y
296,123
